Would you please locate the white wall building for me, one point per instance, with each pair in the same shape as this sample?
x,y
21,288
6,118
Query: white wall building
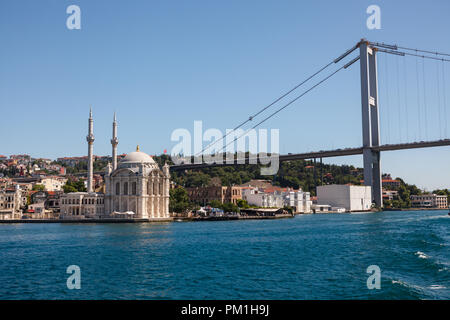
x,y
12,202
81,205
256,197
53,183
300,200
429,201
277,199
352,198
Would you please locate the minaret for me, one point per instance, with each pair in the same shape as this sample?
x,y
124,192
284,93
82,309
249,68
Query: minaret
x,y
90,140
114,143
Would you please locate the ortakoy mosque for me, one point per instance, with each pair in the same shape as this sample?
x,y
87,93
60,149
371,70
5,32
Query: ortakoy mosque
x,y
135,187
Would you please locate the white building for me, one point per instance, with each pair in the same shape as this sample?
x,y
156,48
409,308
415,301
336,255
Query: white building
x,y
81,205
12,202
429,201
277,198
139,186
53,183
352,198
299,200
134,188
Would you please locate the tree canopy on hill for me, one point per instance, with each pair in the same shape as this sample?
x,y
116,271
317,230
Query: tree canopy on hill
x,y
295,174
74,186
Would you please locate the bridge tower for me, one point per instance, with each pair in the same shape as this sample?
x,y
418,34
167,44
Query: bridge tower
x,y
370,120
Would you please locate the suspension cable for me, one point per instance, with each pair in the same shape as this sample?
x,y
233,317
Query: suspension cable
x,y
425,99
444,98
286,105
418,98
268,106
336,60
406,97
398,101
439,99
384,103
388,99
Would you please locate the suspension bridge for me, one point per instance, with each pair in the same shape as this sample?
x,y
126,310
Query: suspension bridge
x,y
371,143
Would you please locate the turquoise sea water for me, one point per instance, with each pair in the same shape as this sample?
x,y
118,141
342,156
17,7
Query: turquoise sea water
x,y
308,257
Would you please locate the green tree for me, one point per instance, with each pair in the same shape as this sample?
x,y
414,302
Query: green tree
x,y
230,207
288,209
242,203
179,200
38,187
216,204
69,188
74,186
404,196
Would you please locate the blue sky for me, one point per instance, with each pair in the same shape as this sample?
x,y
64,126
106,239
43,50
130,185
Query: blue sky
x,y
161,65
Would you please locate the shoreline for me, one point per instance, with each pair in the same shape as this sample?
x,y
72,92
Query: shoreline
x,y
172,219
191,219
86,220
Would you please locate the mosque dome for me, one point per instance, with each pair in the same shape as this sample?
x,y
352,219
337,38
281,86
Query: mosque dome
x,y
137,157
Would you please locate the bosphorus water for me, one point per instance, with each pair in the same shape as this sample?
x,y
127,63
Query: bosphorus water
x,y
307,257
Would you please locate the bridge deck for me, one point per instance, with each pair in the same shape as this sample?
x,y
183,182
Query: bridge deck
x,y
320,154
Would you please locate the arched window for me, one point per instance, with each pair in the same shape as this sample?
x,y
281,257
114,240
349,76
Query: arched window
x,y
133,188
125,188
117,188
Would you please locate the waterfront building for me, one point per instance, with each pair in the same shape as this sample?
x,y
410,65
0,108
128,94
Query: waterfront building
x,y
81,205
300,200
137,188
258,197
350,197
12,202
429,201
39,211
48,200
321,208
276,197
204,195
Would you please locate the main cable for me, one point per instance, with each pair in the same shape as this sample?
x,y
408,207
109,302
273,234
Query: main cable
x,y
285,106
250,118
425,51
282,96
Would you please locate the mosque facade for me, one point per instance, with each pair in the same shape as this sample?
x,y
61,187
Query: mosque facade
x,y
135,187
